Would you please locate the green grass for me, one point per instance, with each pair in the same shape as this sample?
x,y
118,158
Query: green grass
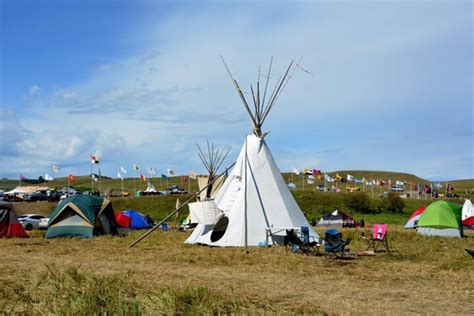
x,y
313,204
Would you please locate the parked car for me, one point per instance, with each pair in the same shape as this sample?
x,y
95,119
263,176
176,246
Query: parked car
x,y
30,221
396,188
42,195
175,189
321,188
43,223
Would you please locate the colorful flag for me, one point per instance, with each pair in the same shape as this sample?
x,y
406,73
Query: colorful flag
x,y
47,177
184,178
350,177
136,167
72,177
163,176
437,185
123,169
338,177
171,172
449,188
151,171
94,177
56,169
94,159
295,171
142,177
400,182
329,178
119,175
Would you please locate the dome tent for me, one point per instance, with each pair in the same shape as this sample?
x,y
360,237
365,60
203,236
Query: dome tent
x,y
131,219
9,224
441,218
414,218
336,218
82,216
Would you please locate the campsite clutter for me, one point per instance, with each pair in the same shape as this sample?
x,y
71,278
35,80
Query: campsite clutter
x,y
246,204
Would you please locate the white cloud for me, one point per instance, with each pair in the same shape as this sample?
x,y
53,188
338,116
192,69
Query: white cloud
x,y
34,90
370,70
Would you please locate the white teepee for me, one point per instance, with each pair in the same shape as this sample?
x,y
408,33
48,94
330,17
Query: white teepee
x,y
254,206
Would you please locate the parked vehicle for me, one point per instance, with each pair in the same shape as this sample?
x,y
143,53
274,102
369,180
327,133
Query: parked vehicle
x,y
42,195
30,221
396,188
321,188
43,223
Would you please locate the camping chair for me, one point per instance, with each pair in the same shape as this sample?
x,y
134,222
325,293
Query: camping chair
x,y
334,244
301,242
379,236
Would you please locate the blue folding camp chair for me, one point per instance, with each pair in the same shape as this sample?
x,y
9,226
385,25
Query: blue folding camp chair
x,y
334,244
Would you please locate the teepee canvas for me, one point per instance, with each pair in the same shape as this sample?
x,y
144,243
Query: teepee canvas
x,y
254,206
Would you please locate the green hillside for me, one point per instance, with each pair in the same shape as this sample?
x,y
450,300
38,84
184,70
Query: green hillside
x,y
83,183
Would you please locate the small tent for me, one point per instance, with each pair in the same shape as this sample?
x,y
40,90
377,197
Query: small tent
x,y
131,219
441,218
414,218
82,216
336,218
467,213
9,224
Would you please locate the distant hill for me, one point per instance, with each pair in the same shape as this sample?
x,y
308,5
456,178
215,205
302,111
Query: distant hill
x,y
130,184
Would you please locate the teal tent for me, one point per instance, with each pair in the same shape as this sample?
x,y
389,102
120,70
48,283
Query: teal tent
x,y
82,216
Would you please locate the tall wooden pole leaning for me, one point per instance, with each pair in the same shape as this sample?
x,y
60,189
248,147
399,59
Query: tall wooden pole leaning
x,y
179,208
245,198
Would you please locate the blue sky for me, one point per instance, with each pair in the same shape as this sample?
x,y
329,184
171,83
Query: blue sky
x,y
142,82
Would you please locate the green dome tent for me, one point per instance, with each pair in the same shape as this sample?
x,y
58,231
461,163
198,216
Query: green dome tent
x,y
82,216
441,218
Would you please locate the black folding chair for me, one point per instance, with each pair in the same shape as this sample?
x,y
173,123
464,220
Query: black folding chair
x,y
300,242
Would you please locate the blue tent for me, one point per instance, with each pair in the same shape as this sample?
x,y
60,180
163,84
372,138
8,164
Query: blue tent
x,y
131,219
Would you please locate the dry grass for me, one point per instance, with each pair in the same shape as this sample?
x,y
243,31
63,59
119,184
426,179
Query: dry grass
x,y
163,275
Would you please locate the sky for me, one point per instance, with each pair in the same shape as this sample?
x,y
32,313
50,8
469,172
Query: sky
x,y
141,82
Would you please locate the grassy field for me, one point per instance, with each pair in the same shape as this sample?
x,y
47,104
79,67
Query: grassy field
x,y
163,275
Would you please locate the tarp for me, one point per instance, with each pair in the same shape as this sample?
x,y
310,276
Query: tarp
x,y
441,218
131,219
203,182
9,224
82,216
415,217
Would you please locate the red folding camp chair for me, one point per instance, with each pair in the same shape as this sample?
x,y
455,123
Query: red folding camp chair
x,y
379,237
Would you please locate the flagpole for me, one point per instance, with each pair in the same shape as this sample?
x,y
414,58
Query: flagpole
x,y
92,178
122,186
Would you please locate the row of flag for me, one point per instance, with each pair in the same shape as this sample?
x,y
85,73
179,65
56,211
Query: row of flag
x,y
311,173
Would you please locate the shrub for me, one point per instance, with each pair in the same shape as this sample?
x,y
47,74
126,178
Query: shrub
x,y
359,202
392,203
